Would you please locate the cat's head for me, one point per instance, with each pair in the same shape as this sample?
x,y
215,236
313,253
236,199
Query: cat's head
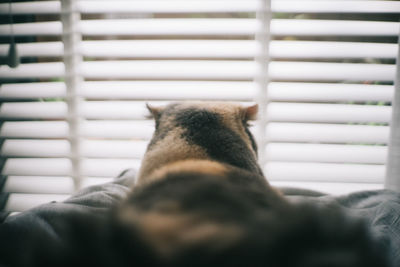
x,y
217,131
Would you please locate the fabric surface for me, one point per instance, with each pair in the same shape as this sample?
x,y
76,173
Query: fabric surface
x,y
380,209
22,234
51,222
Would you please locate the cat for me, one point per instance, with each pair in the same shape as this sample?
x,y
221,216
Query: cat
x,y
201,141
201,199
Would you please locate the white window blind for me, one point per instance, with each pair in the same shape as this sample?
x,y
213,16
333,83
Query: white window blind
x,y
330,94
73,112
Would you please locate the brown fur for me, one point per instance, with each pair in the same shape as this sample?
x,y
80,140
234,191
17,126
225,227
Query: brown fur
x,y
187,166
169,230
174,148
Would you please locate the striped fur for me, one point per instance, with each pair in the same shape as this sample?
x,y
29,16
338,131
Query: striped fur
x,y
201,131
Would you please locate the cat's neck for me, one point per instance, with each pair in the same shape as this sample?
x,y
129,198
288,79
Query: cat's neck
x,y
170,150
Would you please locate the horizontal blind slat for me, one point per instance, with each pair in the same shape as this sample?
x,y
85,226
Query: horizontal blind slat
x,y
169,90
41,7
33,70
329,92
190,69
48,28
326,133
35,148
238,6
113,149
305,27
33,90
209,49
330,49
171,6
238,27
324,172
169,69
171,48
238,70
219,26
114,110
39,49
143,48
330,6
117,129
324,71
37,166
179,6
337,113
169,27
236,49
34,129
39,184
33,110
326,153
238,90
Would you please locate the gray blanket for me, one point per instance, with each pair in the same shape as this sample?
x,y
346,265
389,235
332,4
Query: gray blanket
x,y
380,209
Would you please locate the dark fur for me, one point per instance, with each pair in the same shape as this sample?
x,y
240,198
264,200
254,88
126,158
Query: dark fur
x,y
205,128
267,230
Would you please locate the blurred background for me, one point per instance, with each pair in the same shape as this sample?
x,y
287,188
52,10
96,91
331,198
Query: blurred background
x,y
75,76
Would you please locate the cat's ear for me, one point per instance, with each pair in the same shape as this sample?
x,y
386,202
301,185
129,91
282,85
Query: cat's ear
x,y
155,112
249,113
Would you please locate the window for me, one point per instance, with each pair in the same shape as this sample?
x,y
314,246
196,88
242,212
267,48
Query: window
x,y
73,112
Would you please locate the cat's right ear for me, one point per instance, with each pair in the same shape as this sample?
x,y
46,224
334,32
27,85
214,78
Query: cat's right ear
x,y
155,112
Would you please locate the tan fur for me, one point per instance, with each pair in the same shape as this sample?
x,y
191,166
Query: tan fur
x,y
169,231
172,148
196,165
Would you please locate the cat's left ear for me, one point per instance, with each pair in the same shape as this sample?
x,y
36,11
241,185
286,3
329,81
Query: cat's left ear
x,y
250,113
154,111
